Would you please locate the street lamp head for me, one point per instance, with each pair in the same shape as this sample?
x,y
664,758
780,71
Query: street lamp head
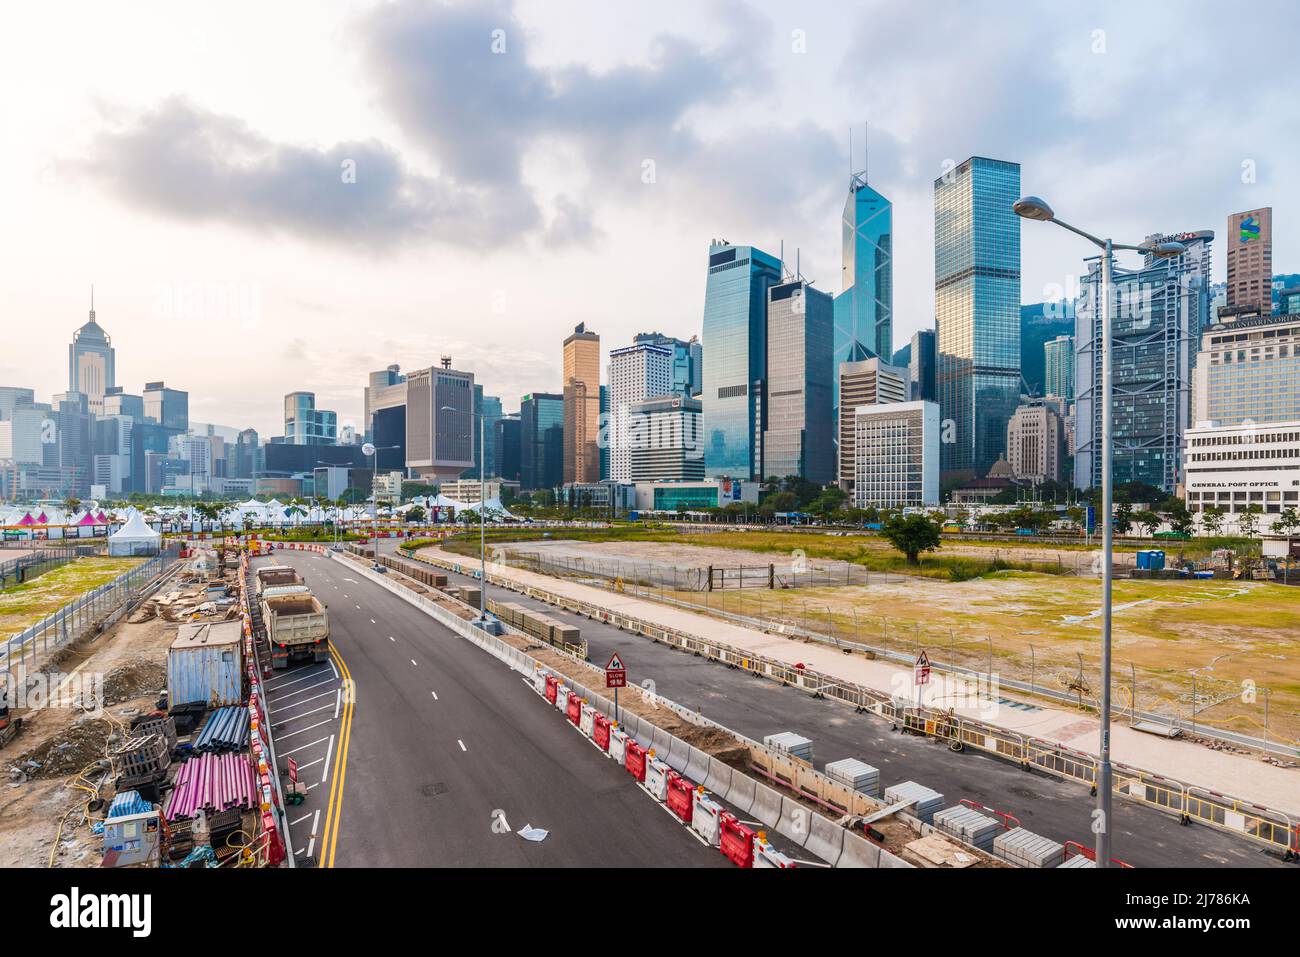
x,y
1031,207
1169,250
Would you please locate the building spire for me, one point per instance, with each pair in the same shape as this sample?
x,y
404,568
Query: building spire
x,y
92,302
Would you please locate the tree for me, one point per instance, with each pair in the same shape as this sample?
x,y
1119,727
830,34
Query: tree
x,y
1148,520
415,514
1287,522
1212,519
72,504
1179,517
1249,521
912,535
1123,518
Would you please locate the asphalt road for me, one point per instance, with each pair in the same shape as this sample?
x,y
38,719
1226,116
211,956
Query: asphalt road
x,y
444,743
1045,805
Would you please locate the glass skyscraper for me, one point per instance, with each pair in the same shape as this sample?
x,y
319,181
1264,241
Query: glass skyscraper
x,y
977,311
799,432
1058,367
864,309
735,336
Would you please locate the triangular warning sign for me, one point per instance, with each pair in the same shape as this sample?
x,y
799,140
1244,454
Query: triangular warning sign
x,y
615,663
922,660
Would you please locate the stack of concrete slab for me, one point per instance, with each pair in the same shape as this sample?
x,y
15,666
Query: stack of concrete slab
x,y
968,825
1078,861
792,744
925,801
1027,849
855,774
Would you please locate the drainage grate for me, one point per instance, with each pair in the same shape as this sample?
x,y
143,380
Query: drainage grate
x,y
434,789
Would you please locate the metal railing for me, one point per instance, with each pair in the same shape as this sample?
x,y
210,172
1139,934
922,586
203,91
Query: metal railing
x,y
69,622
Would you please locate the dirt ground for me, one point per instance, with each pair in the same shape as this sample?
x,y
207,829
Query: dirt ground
x,y
127,664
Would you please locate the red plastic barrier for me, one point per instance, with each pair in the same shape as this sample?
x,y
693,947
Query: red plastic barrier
x,y
635,761
552,688
574,711
737,841
681,793
600,732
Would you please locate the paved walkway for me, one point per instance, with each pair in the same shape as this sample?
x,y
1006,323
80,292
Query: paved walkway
x,y
1239,775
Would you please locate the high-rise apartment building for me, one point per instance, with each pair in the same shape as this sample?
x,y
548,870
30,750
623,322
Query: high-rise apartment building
x,y
1159,312
1035,439
582,406
1250,259
735,338
636,373
90,362
688,361
541,440
896,455
1058,367
866,382
798,392
977,309
304,424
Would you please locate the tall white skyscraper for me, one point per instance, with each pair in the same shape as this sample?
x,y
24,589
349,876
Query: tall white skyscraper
x,y
636,373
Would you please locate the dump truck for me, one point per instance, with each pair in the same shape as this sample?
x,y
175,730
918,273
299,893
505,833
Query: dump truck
x,y
271,575
297,626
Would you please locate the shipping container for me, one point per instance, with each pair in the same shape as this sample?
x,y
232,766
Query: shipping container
x,y
205,665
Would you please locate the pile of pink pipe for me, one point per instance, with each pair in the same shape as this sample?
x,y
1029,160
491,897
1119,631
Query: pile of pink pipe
x,y
212,782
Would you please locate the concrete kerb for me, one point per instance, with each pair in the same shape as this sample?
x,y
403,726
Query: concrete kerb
x,y
826,839
741,792
859,852
697,766
662,742
679,754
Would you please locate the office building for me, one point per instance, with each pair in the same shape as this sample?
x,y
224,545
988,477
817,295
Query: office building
x,y
1058,367
636,373
169,408
1235,467
1250,260
247,455
440,429
1288,299
24,433
541,440
507,442
90,362
691,496
582,406
1248,370
865,382
1041,323
665,439
864,308
118,402
304,424
13,396
377,381
488,408
799,422
1159,312
735,338
896,455
1035,440
977,309
922,367
604,435
386,420
688,361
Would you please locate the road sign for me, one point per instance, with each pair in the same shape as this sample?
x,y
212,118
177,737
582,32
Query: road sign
x,y
615,672
293,770
921,670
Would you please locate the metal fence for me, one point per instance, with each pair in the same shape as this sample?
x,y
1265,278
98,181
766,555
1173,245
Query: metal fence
x,y
58,628
15,571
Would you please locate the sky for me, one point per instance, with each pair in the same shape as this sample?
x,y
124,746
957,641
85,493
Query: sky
x,y
274,197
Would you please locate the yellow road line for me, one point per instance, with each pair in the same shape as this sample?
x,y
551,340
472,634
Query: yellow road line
x,y
335,807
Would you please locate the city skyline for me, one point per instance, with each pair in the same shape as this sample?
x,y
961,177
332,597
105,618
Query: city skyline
x,y
329,289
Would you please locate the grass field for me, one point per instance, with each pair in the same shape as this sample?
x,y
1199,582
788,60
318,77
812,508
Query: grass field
x,y
31,601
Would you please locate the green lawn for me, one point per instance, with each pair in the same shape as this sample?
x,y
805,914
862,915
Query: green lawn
x,y
31,601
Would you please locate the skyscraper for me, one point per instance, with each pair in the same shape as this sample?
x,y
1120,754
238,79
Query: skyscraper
x,y
1058,368
864,309
90,362
1250,259
169,408
735,337
489,407
923,367
541,440
441,433
799,428
977,310
304,424
688,361
1158,314
582,406
866,382
636,373
1248,371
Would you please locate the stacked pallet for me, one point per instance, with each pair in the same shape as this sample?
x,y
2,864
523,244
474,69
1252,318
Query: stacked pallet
x,y
925,801
792,744
856,774
968,825
1027,849
535,624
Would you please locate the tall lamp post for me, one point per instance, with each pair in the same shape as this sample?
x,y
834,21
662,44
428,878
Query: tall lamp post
x,y
482,513
1031,207
373,451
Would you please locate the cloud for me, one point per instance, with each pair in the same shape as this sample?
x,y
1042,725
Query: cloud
x,y
192,164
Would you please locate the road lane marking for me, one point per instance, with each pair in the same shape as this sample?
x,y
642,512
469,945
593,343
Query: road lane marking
x,y
303,747
338,701
328,749
462,744
311,845
392,639
335,806
314,674
301,819
280,719
435,695
335,670
281,737
277,699
413,662
304,767
372,621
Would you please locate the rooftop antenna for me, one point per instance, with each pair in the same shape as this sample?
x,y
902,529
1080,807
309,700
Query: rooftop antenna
x,y
851,153
92,300
866,149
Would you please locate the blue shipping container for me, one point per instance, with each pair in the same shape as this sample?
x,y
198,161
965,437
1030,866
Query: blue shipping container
x,y
205,664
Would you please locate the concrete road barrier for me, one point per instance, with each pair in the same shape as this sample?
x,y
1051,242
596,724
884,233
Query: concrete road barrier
x,y
767,805
741,792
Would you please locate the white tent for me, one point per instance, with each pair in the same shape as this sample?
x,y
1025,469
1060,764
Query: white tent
x,y
134,538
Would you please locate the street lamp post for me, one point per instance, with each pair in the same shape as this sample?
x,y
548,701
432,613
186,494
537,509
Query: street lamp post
x,y
373,451
1031,207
